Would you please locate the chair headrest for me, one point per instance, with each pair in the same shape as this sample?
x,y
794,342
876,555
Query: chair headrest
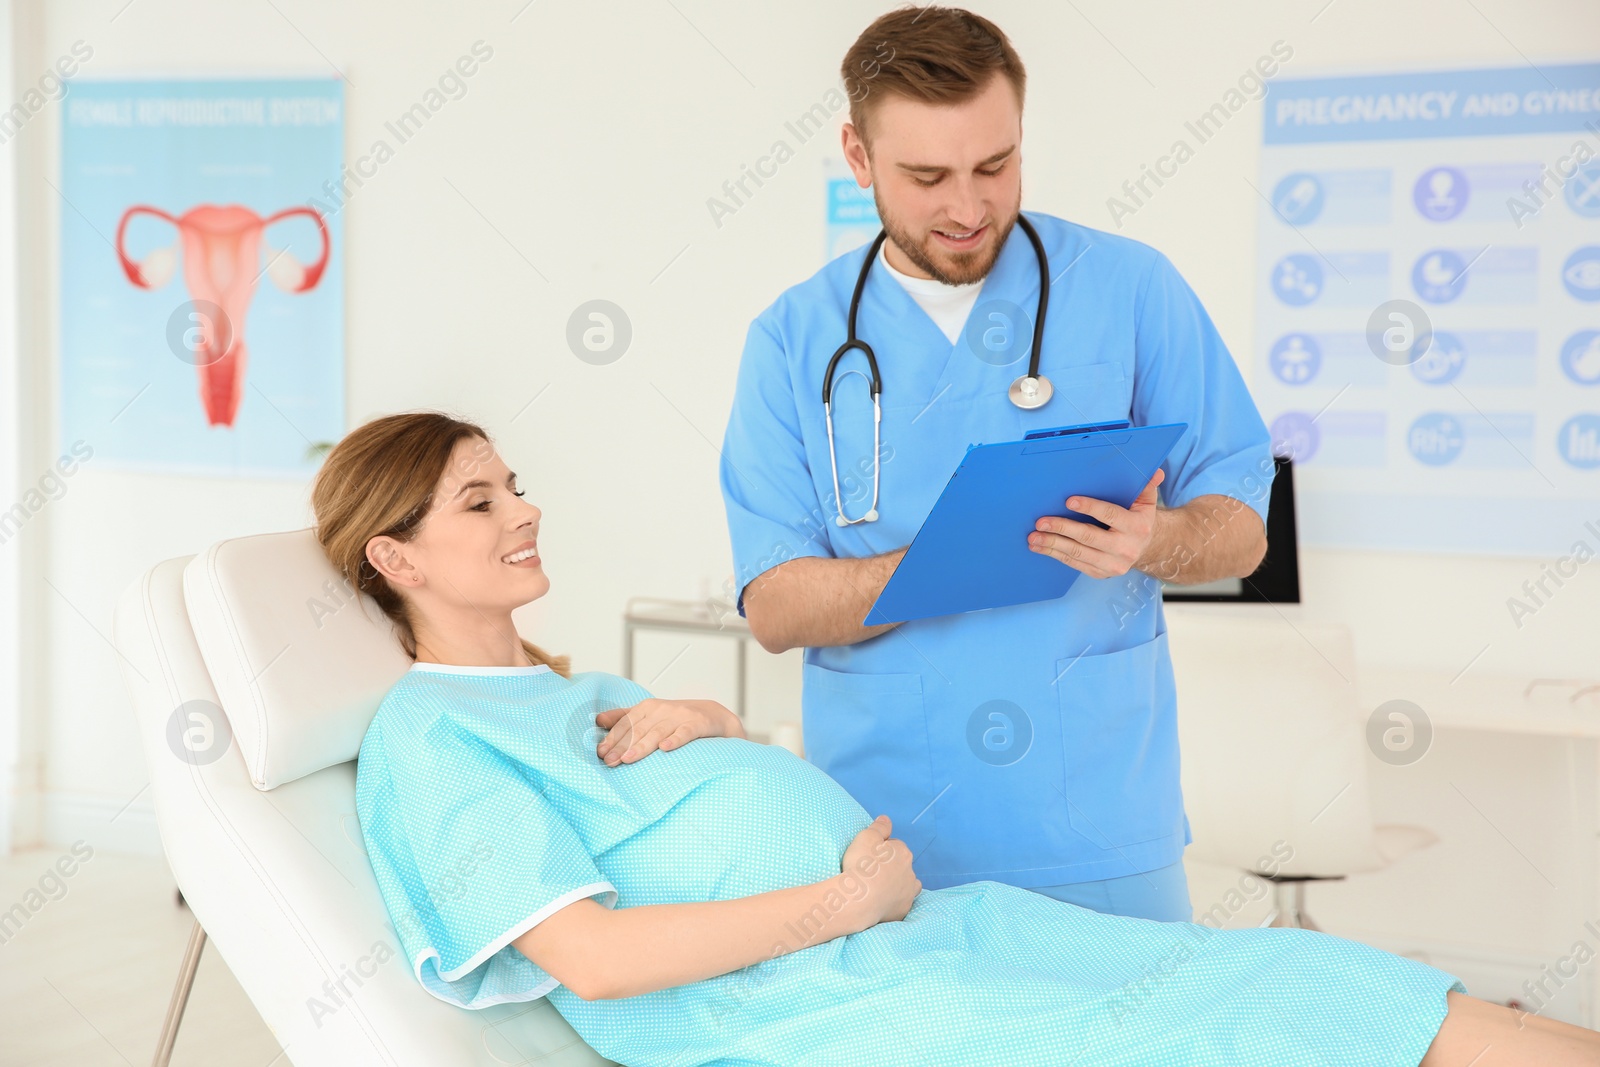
x,y
299,659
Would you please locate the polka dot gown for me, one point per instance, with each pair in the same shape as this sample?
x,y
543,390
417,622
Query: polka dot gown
x,y
485,809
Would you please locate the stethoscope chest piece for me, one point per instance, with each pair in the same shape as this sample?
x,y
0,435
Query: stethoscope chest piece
x,y
1029,392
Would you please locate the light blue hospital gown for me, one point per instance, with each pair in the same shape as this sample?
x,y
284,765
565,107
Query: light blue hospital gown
x,y
485,809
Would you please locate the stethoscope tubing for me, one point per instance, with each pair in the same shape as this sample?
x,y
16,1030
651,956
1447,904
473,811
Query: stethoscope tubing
x,y
875,379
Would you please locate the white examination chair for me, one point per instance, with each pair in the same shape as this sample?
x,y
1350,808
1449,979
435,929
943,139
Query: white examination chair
x,y
1275,757
260,828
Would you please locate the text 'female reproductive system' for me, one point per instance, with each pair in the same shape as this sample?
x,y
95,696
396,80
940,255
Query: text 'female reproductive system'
x,y
222,252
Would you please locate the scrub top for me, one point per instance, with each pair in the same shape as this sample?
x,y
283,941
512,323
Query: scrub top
x,y
1037,744
485,811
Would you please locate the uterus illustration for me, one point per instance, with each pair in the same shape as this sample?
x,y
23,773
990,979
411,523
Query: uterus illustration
x,y
223,254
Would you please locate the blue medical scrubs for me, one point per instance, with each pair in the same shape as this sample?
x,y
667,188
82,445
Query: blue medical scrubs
x,y
1037,744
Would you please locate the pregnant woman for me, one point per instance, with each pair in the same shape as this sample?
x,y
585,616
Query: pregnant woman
x,y
686,896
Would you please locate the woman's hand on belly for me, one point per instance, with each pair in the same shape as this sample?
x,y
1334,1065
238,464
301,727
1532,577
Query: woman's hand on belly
x,y
636,732
876,875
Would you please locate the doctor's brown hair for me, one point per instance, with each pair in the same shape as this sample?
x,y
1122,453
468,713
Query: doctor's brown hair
x,y
379,481
937,55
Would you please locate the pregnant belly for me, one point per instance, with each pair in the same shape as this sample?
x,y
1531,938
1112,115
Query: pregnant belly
x,y
758,818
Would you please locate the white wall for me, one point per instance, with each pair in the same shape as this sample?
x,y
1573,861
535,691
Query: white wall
x,y
10,436
591,141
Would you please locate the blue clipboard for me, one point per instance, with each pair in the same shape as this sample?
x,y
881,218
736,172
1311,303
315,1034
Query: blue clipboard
x,y
972,550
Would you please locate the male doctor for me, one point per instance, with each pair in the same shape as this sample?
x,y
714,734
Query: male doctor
x,y
1034,744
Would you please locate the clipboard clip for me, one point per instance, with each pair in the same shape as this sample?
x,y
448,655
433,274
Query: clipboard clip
x,y
1067,431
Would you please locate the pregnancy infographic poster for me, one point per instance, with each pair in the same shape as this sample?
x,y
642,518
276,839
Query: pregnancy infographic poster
x,y
1428,306
202,248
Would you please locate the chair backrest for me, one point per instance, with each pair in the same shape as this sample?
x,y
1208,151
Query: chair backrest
x,y
1273,746
300,660
251,702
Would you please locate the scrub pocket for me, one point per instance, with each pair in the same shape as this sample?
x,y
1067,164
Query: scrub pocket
x,y
869,732
1090,392
1119,738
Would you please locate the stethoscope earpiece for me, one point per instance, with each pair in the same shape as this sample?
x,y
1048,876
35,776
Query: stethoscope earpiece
x,y
1032,390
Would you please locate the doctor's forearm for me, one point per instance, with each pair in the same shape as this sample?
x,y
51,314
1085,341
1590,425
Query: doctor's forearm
x,y
1211,537
814,603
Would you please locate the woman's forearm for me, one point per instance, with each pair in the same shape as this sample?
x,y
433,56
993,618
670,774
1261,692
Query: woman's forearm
x,y
666,945
600,953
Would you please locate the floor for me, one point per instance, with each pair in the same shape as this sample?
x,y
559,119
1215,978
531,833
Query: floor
x,y
87,978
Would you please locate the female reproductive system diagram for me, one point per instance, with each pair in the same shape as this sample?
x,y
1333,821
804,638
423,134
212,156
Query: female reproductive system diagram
x,y
223,254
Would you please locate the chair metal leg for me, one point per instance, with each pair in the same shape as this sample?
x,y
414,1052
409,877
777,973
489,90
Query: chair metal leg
x,y
1286,913
180,995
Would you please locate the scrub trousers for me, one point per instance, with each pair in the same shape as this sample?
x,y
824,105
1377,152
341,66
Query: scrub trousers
x,y
1161,894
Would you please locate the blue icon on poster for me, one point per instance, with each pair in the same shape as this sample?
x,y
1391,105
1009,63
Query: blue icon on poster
x,y
1295,358
1435,438
1297,279
1581,273
1294,436
1439,276
1583,190
1580,357
1298,198
1440,194
1578,441
1441,364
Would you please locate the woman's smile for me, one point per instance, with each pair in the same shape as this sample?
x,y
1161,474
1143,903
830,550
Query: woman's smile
x,y
524,555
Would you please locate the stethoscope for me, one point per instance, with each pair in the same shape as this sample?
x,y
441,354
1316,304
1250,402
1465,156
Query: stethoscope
x,y
1032,390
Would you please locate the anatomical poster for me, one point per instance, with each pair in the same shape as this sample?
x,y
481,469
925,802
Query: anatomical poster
x,y
1428,306
202,324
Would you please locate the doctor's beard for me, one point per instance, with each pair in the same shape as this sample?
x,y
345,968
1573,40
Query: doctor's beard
x,y
963,268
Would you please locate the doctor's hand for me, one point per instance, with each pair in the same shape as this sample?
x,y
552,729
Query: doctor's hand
x,y
875,876
1096,552
651,724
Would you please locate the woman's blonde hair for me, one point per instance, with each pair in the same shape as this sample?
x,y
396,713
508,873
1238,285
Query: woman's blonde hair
x,y
379,481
